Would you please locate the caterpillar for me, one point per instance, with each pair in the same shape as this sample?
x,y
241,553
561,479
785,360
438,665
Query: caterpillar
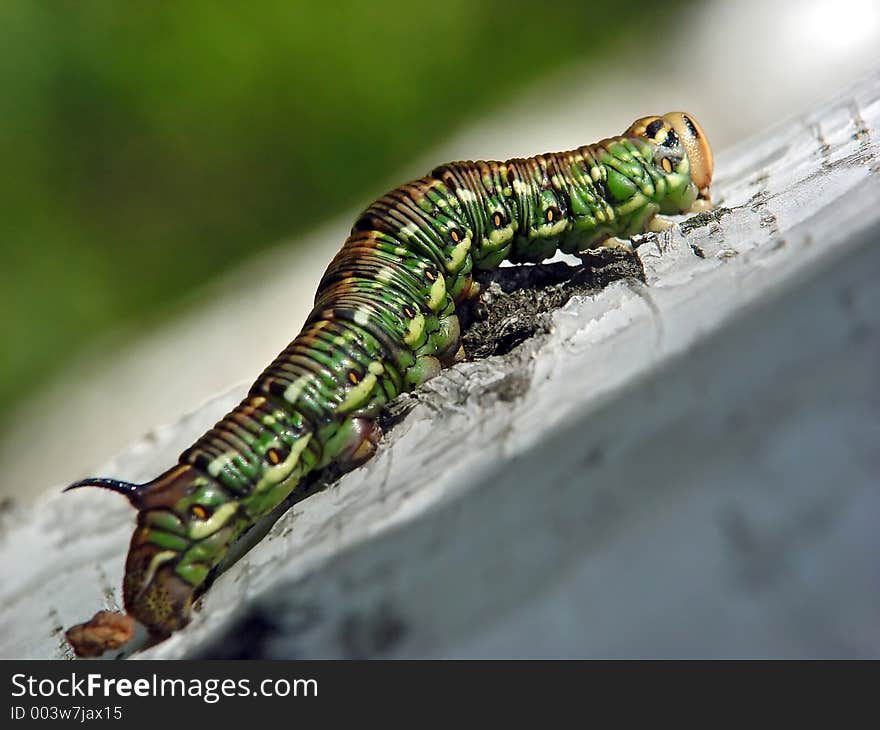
x,y
384,321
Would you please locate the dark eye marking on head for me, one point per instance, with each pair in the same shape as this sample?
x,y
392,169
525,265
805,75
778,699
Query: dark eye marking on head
x,y
692,128
654,127
671,139
666,164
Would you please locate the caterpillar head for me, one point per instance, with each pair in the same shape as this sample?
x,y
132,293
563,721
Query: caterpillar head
x,y
185,524
681,152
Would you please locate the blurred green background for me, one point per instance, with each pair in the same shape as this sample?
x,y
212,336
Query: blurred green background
x,y
148,147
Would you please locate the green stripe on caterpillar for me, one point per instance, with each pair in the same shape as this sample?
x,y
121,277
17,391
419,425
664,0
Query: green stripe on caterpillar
x,y
384,321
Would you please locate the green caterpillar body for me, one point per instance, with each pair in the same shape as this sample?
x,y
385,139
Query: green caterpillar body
x,y
384,321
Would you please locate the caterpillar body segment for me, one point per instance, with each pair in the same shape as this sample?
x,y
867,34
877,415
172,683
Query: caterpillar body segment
x,y
384,321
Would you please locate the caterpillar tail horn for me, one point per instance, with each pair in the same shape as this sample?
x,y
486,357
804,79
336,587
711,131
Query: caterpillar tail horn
x,y
129,489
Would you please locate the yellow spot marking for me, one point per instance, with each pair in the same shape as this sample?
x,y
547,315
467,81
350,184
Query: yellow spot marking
x,y
199,530
666,164
353,378
457,255
275,474
198,511
273,456
454,235
359,394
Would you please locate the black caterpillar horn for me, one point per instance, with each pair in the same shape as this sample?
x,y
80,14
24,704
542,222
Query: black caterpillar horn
x,y
130,490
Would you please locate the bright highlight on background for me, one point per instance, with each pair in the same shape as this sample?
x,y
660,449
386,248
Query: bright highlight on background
x,y
772,60
844,28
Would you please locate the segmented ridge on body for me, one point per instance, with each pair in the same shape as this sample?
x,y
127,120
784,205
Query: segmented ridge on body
x,y
384,276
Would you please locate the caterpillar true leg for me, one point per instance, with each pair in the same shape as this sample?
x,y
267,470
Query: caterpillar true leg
x,y
700,205
612,243
660,223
